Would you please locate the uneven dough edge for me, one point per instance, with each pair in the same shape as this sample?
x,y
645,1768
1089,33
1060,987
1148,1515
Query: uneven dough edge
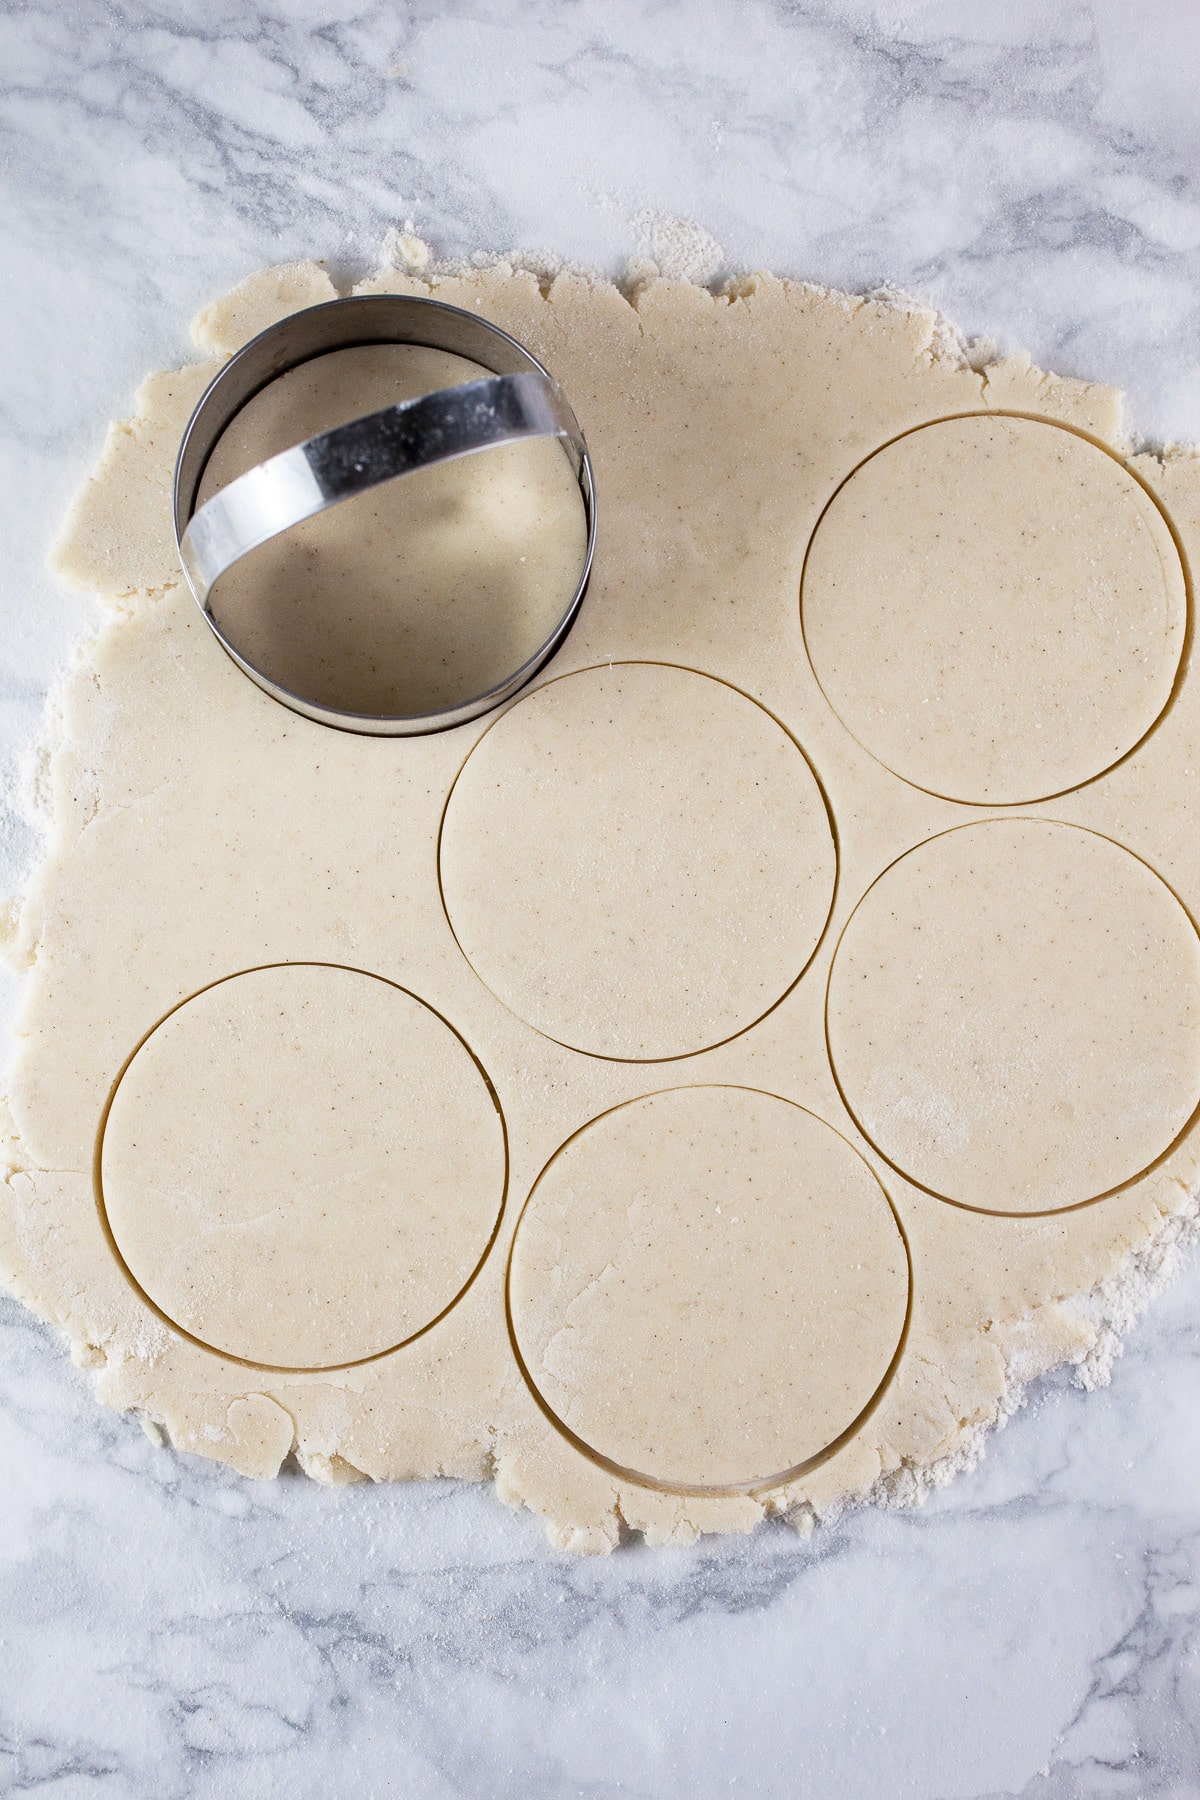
x,y
251,1426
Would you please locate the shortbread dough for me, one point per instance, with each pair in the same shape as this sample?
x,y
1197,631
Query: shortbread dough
x,y
1014,1015
1005,664
683,893
713,1084
263,1115
614,1262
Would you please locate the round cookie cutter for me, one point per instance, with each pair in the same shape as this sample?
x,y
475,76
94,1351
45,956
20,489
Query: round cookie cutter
x,y
519,399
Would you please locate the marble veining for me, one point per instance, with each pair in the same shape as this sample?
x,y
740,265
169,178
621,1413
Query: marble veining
x,y
167,1629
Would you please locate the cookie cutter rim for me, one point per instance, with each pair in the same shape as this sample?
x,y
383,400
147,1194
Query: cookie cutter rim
x,y
519,399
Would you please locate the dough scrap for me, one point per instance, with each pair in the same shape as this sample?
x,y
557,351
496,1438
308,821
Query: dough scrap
x,y
200,832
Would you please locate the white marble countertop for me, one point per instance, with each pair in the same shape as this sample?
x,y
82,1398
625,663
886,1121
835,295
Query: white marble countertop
x,y
167,1629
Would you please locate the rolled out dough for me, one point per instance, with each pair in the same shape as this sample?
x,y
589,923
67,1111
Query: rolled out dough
x,y
661,908
696,1231
321,1128
1006,663
1014,1015
711,1086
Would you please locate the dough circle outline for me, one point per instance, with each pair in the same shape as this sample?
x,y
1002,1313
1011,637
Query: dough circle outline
x,y
249,1362
892,759
916,1105
810,799
757,1484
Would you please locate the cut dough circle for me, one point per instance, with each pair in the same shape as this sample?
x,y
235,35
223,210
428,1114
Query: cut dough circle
x,y
638,861
708,1287
421,594
1014,1015
995,607
303,1166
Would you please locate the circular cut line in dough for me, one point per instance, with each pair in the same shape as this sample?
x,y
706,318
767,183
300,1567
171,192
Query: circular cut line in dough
x,y
995,608
421,594
708,1289
303,1166
638,861
1013,1016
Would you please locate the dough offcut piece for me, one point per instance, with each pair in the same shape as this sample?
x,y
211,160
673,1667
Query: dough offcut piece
x,y
708,1087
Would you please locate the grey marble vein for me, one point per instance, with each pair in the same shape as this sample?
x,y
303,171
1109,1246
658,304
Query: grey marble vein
x,y
168,1630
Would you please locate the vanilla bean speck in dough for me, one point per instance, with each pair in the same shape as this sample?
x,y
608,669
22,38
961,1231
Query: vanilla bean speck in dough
x,y
710,1086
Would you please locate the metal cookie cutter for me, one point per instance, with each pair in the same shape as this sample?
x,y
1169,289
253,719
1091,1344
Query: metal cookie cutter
x,y
520,399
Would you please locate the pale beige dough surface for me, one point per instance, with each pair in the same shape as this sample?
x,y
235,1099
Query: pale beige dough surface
x,y
421,594
665,1256
1017,1025
638,861
302,1166
1014,1015
995,608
